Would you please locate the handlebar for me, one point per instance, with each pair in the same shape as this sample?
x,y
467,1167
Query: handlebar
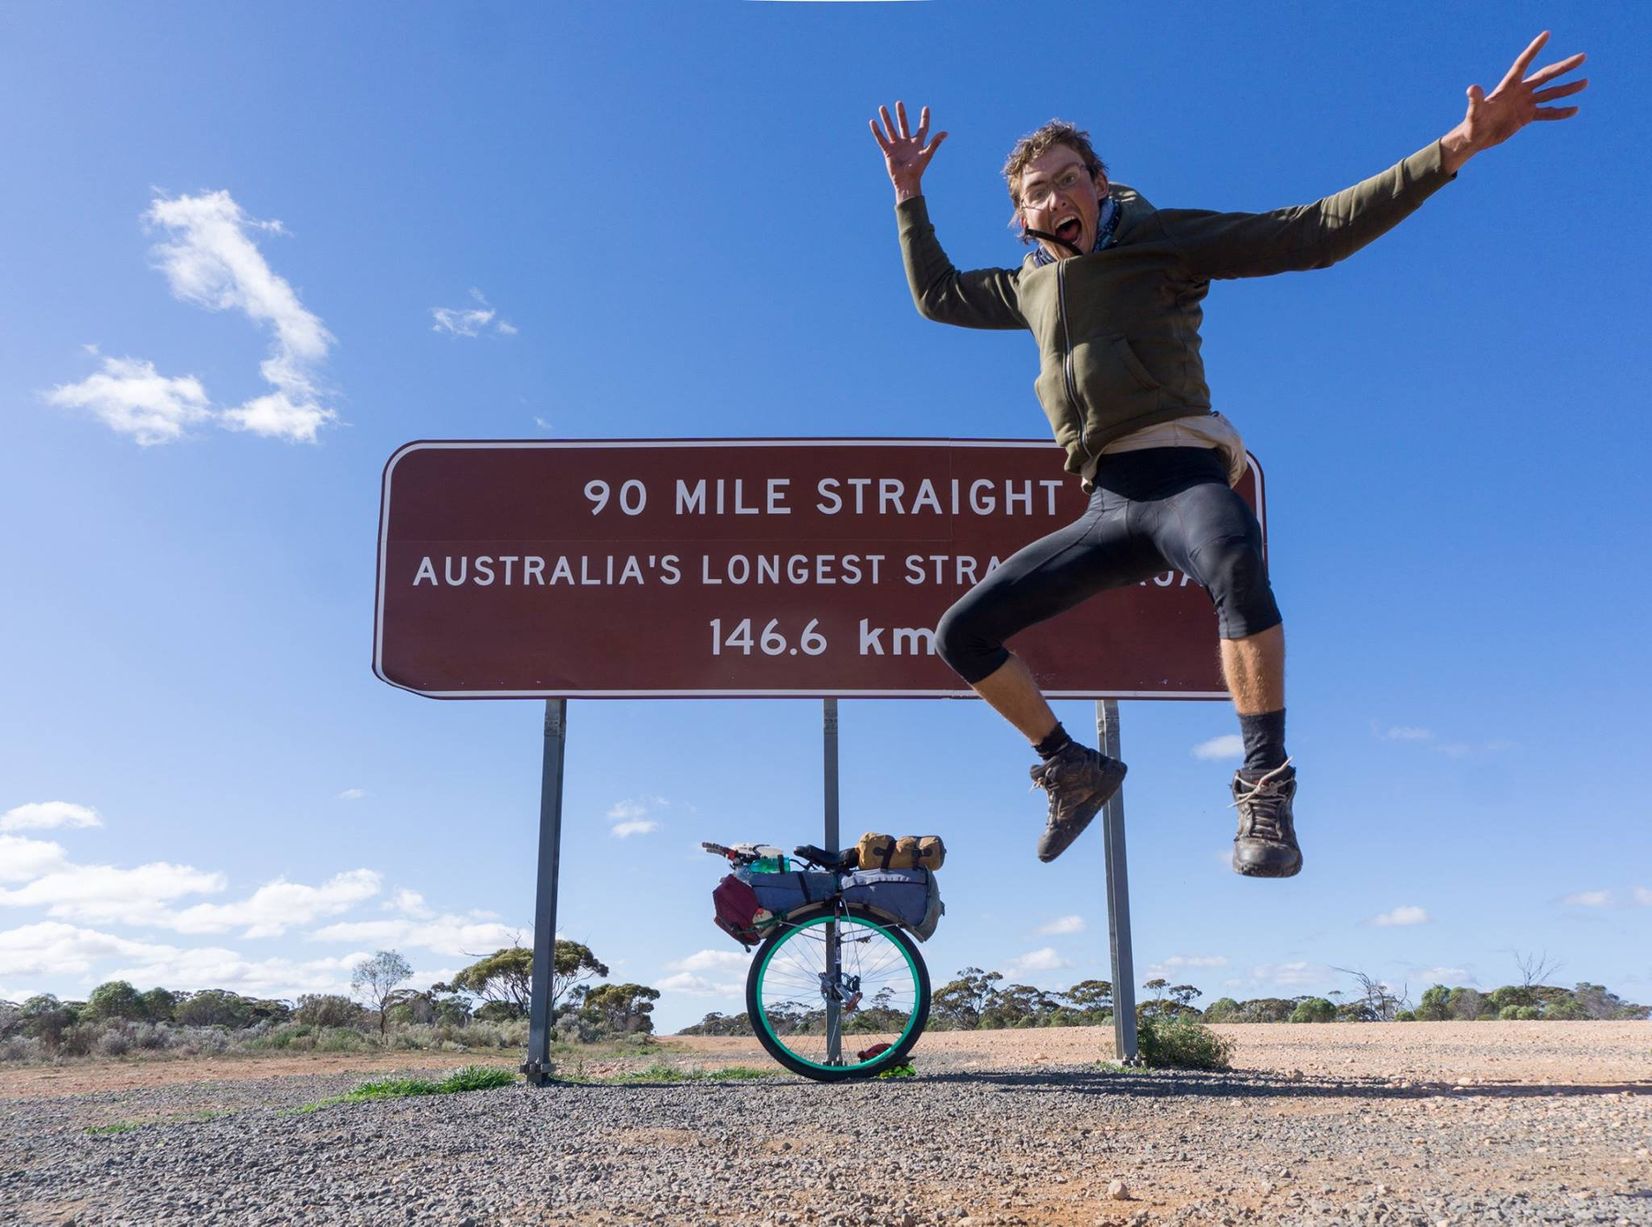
x,y
746,854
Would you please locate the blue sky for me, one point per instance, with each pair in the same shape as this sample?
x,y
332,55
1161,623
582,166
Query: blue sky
x,y
669,220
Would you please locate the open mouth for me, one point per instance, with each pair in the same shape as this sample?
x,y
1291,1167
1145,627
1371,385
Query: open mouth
x,y
1068,230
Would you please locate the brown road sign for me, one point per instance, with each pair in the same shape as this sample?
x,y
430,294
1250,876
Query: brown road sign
x,y
744,567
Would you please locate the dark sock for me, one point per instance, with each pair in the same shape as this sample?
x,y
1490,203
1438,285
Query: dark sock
x,y
1264,740
1054,743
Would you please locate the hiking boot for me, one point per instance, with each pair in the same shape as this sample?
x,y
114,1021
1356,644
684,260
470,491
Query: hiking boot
x,y
1079,781
1265,846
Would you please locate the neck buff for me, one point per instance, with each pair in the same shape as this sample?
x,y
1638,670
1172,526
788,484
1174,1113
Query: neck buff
x,y
1107,225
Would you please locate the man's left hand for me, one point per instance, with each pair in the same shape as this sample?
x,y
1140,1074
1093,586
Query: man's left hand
x,y
1493,118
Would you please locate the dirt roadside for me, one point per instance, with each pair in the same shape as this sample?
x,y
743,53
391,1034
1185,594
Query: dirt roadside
x,y
1510,1053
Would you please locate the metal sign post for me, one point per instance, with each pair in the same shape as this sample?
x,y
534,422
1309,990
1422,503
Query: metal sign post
x,y
1118,894
538,1065
829,707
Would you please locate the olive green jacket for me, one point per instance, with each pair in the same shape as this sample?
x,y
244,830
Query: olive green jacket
x,y
1118,330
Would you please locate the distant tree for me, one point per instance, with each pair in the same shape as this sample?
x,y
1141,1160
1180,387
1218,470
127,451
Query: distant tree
x,y
438,1005
1092,998
213,1007
1535,968
114,999
46,1018
1512,995
1356,1011
1314,1010
1019,1005
1221,1010
1465,1004
961,1003
1183,995
1435,1005
158,1004
1264,1010
1569,1010
506,976
1381,1002
720,1024
328,1010
621,1009
379,977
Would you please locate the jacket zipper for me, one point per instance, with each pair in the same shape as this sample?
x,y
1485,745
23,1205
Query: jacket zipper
x,y
1067,355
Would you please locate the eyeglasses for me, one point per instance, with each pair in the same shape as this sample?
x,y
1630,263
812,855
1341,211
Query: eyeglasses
x,y
1038,196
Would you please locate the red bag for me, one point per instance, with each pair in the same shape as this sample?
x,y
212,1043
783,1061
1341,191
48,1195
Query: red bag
x,y
737,910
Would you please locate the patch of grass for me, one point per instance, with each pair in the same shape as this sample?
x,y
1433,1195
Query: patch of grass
x,y
899,1071
470,1078
659,1072
1180,1043
1110,1067
131,1126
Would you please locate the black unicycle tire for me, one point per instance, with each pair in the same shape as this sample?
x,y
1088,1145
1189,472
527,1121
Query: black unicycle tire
x,y
911,974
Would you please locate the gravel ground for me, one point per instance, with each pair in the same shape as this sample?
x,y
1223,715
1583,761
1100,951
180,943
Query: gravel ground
x,y
1404,1124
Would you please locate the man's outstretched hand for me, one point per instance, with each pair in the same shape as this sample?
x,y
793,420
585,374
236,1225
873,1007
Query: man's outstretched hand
x,y
1493,118
905,155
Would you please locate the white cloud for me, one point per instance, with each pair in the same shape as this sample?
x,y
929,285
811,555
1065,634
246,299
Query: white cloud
x,y
724,962
707,973
409,903
1178,963
700,986
53,948
1289,975
1406,732
542,423
352,794
279,905
279,416
212,261
1643,896
455,936
1066,924
1455,977
1590,898
23,860
216,967
470,321
1408,915
1229,745
630,816
132,398
44,815
107,894
1043,959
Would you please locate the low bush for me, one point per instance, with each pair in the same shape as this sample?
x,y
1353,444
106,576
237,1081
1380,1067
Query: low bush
x,y
1181,1043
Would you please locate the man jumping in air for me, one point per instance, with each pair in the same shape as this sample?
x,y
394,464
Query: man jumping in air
x,y
1112,292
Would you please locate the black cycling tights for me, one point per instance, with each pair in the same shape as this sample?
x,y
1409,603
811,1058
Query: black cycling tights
x,y
1167,507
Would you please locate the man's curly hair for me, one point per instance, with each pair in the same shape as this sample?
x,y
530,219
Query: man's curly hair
x,y
1040,141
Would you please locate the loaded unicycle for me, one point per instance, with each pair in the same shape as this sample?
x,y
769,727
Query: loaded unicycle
x,y
837,988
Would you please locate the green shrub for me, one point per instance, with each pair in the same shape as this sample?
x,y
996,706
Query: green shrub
x,y
1518,1013
1314,1010
1181,1043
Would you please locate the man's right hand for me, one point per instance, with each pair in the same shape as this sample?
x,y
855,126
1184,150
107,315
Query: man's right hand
x,y
905,155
